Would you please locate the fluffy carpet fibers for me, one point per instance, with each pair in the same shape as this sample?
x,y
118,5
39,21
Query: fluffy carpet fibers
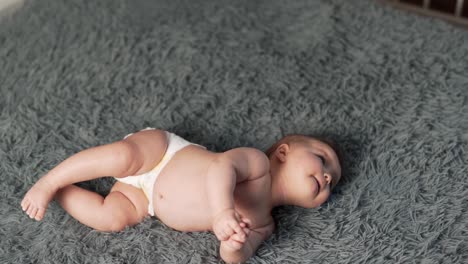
x,y
390,87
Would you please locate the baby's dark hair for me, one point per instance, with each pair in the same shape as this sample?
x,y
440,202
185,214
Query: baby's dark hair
x,y
298,138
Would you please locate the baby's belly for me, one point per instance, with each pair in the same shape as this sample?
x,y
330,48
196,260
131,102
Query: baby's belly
x,y
179,196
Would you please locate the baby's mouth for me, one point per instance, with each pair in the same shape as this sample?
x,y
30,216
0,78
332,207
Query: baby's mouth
x,y
317,185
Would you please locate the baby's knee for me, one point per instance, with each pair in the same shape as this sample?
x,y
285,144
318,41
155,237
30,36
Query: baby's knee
x,y
117,226
111,226
112,222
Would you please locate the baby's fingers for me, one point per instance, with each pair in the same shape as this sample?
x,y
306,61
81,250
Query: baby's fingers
x,y
238,238
222,236
237,228
246,221
228,231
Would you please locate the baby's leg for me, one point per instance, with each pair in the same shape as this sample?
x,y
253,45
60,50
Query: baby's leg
x,y
132,156
112,160
124,206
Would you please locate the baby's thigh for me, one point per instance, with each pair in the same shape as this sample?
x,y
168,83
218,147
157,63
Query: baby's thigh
x,y
149,148
134,195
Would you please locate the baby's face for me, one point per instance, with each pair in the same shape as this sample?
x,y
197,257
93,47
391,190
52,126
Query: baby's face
x,y
313,169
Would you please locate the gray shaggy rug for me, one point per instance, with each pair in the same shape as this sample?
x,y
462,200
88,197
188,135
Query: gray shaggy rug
x,y
390,87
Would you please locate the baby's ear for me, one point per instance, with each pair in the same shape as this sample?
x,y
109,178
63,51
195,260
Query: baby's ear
x,y
281,152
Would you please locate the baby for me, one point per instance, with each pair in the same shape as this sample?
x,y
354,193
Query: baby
x,y
190,188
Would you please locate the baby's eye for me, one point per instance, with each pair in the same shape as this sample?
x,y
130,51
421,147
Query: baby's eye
x,y
322,159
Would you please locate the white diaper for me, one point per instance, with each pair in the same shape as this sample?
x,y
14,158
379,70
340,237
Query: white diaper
x,y
146,181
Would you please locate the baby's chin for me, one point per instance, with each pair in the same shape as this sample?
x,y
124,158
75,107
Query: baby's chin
x,y
310,203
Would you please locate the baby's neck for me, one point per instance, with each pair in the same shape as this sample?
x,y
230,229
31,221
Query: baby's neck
x,y
279,194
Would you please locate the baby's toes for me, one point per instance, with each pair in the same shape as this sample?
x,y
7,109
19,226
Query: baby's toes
x,y
25,204
40,214
29,210
33,213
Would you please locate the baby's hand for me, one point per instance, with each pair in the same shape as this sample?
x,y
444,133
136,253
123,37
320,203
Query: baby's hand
x,y
228,223
236,242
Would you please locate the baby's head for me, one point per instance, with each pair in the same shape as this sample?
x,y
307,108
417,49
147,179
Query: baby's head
x,y
304,169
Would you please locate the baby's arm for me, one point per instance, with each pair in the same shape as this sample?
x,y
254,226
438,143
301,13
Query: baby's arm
x,y
232,251
225,172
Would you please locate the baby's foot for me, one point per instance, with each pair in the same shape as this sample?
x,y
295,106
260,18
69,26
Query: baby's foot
x,y
37,199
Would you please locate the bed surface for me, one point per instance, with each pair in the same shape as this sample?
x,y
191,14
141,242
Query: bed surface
x,y
390,87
